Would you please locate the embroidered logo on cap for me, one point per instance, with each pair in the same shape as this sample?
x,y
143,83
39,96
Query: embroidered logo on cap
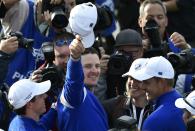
x,y
91,25
138,66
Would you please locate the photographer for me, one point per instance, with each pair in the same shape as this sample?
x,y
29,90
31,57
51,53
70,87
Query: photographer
x,y
7,48
19,17
51,15
155,10
128,47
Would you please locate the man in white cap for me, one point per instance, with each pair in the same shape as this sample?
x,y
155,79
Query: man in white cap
x,y
188,104
28,101
158,79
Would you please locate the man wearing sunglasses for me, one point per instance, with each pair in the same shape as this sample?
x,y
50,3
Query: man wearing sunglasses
x,y
61,51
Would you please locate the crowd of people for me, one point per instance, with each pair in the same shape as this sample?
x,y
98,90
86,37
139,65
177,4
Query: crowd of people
x,y
61,68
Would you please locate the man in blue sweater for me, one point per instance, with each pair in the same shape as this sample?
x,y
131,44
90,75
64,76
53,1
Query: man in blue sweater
x,y
28,101
78,109
158,79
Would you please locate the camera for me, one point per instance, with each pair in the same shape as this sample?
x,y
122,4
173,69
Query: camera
x,y
125,123
157,48
59,19
119,63
184,62
105,18
52,72
23,42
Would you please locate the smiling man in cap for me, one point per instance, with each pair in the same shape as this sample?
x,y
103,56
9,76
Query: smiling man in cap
x,y
28,101
158,79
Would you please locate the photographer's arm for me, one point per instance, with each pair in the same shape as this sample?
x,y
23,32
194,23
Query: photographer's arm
x,y
100,90
73,93
7,47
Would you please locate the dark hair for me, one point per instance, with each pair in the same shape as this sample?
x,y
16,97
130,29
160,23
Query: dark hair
x,y
91,50
169,82
22,110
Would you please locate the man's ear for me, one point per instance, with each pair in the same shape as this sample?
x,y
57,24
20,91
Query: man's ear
x,y
29,105
140,22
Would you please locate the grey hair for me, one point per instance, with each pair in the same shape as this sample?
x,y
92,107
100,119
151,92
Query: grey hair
x,y
146,2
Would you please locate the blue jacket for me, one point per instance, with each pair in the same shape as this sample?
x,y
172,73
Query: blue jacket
x,y
166,117
21,123
78,109
23,62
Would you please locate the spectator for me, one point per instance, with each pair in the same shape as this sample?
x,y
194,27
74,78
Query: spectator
x,y
28,101
134,103
138,105
188,104
158,79
77,106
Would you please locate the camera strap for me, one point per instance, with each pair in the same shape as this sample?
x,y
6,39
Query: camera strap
x,y
140,116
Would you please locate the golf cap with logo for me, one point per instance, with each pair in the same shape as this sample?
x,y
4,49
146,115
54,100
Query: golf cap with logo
x,y
135,67
156,67
83,18
22,91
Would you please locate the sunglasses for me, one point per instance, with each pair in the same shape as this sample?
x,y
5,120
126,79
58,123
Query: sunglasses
x,y
62,42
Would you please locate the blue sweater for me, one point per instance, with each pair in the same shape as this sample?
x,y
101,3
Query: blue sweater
x,y
21,123
78,109
166,116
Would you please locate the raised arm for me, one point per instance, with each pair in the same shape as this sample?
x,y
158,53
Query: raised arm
x,y
73,92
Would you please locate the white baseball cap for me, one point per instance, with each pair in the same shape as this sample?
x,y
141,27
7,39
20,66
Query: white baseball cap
x,y
187,103
83,18
156,67
135,67
22,91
